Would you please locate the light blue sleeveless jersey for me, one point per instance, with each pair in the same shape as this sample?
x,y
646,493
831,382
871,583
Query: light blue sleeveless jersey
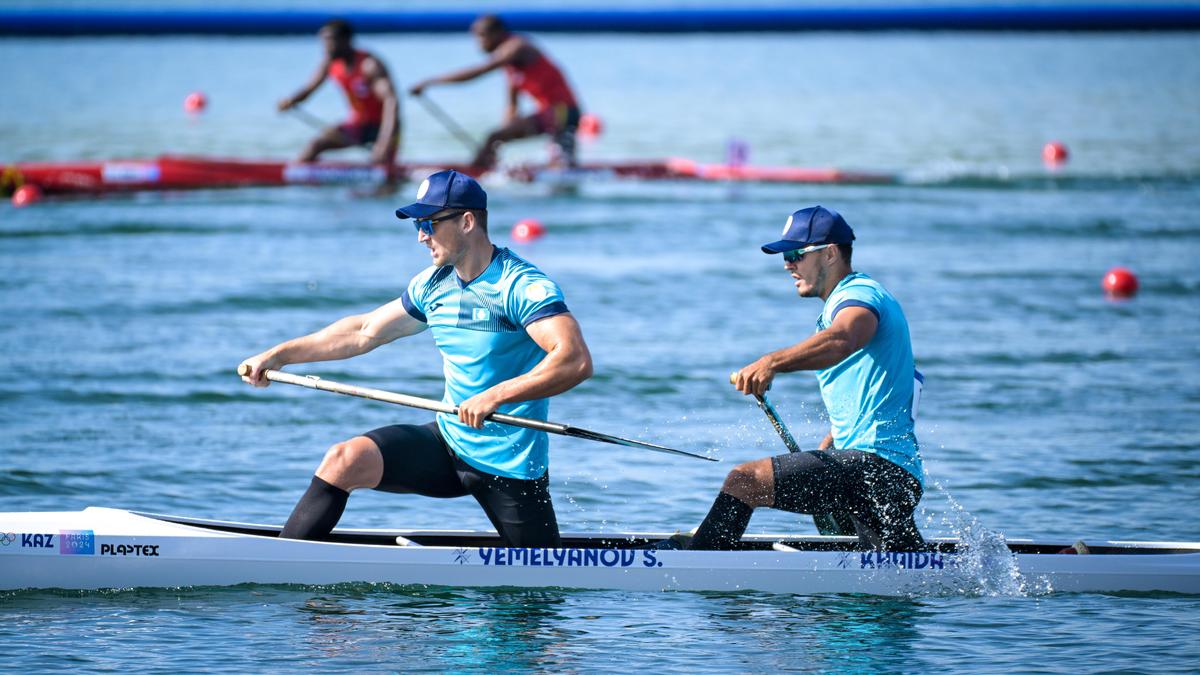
x,y
869,395
479,327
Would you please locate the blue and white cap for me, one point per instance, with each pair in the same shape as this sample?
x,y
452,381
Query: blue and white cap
x,y
809,227
445,190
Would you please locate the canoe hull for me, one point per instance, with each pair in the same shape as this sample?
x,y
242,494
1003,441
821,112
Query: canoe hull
x,y
171,172
111,548
191,173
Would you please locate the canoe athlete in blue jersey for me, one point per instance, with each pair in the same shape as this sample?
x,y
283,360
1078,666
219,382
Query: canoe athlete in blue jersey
x,y
508,343
867,472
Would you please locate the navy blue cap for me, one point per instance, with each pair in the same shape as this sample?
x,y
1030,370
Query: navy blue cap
x,y
809,227
443,190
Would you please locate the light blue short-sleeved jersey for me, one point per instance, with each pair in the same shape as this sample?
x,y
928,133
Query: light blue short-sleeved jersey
x,y
869,395
479,327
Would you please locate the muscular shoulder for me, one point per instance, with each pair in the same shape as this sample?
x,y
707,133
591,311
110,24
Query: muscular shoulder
x,y
372,66
858,290
519,51
516,271
860,286
529,293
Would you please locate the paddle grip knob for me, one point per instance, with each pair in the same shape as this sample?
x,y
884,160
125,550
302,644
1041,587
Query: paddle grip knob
x,y
244,369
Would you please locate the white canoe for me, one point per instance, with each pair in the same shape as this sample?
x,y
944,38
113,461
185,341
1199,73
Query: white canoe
x,y
113,548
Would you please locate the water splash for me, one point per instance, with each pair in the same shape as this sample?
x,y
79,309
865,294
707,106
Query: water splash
x,y
985,564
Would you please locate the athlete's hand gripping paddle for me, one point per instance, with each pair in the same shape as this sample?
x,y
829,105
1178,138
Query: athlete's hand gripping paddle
x,y
776,421
826,522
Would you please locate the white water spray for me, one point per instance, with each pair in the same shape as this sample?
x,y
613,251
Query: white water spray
x,y
985,564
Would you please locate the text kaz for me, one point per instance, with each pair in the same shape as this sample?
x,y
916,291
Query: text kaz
x,y
33,540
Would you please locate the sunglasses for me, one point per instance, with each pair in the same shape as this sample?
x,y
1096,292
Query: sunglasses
x,y
426,224
796,255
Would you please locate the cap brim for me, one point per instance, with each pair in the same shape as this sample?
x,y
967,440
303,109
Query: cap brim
x,y
417,210
782,245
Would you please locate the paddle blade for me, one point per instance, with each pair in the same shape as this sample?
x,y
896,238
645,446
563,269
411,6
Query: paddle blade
x,y
617,440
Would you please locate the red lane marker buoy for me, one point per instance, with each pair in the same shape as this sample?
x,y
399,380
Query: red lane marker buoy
x,y
528,230
26,195
1120,283
590,125
1055,153
195,102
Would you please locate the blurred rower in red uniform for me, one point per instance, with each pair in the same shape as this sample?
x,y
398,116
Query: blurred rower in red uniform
x,y
374,106
528,71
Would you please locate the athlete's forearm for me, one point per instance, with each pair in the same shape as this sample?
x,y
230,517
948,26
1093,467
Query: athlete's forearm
x,y
463,75
389,126
822,350
301,96
341,339
308,89
562,369
513,103
827,442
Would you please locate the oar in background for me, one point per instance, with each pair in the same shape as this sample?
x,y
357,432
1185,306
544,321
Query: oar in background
x,y
320,124
447,121
313,382
826,522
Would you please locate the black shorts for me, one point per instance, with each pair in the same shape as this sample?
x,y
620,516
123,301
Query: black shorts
x,y
877,496
359,133
417,460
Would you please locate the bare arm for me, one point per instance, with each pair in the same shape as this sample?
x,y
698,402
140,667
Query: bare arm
x,y
827,442
313,83
567,363
513,109
342,339
507,53
852,329
389,126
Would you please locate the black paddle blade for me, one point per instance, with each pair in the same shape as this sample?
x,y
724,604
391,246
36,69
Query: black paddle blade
x,y
617,440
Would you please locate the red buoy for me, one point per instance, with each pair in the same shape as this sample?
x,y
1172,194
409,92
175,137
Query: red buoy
x,y
1054,153
1120,283
26,195
590,125
195,102
528,230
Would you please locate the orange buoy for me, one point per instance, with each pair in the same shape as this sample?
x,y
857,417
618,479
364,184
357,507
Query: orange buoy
x,y
1120,283
1054,153
195,102
528,230
590,125
26,195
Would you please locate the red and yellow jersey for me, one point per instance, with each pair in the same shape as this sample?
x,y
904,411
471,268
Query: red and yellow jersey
x,y
365,106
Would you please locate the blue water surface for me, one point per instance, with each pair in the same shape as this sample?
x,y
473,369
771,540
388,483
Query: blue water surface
x,y
1049,412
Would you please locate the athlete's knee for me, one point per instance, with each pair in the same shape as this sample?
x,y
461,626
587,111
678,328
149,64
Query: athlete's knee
x,y
351,464
495,139
752,483
310,152
342,454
